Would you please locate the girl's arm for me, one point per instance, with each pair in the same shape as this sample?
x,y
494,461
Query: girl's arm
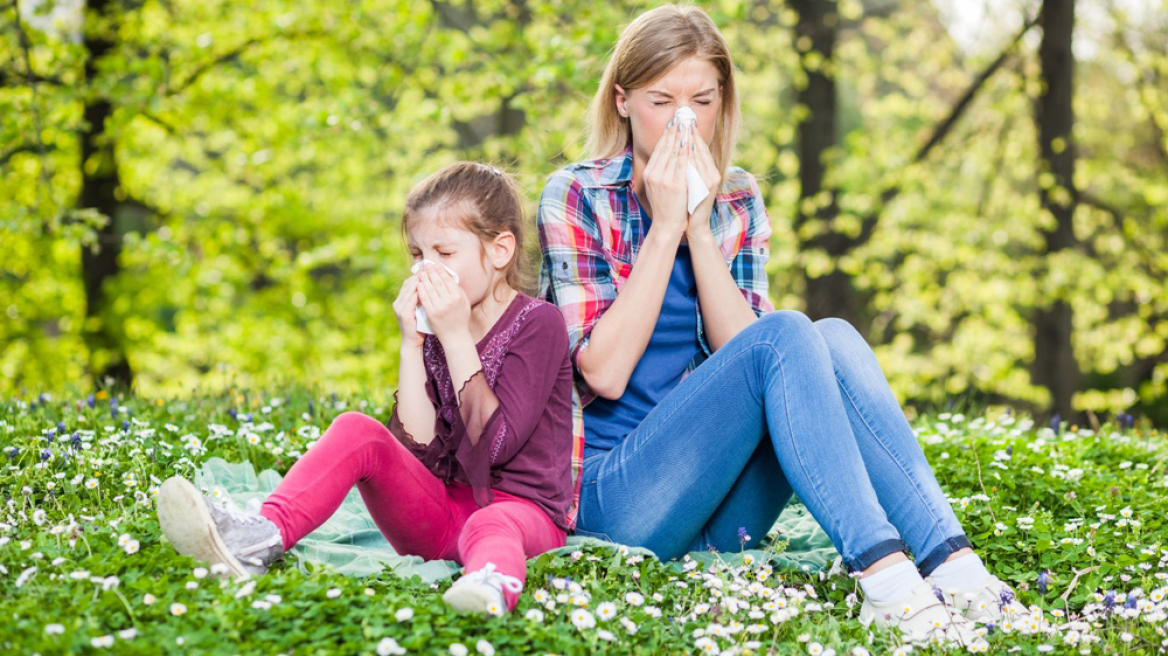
x,y
414,410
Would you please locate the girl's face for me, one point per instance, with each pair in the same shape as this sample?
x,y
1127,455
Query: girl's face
x,y
438,236
691,83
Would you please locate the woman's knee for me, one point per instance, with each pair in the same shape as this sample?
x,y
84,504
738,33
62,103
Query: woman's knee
x,y
835,330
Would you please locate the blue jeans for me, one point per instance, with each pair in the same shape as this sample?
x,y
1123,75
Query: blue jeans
x,y
786,406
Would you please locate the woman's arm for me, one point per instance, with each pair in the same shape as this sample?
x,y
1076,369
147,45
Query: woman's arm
x,y
619,338
725,310
724,305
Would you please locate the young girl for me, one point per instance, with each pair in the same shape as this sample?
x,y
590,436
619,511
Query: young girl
x,y
476,462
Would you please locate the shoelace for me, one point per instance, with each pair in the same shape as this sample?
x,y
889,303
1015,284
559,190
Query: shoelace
x,y
250,516
489,576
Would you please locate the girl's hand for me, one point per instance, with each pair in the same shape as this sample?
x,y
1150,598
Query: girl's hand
x,y
703,160
665,184
403,307
446,305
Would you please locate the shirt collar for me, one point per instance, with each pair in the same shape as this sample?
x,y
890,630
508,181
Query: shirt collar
x,y
618,170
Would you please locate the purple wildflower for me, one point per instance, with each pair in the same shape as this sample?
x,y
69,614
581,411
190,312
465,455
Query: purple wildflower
x,y
126,425
1056,424
13,452
61,427
938,594
1131,602
76,440
1006,596
1109,600
91,401
232,412
1043,582
45,455
743,536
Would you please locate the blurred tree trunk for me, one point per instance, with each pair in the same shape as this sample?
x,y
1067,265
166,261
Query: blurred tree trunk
x,y
99,184
831,294
1054,359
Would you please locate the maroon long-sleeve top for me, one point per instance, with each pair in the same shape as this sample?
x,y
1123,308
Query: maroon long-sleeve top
x,y
522,434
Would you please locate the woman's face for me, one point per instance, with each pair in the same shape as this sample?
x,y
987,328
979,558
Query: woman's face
x,y
691,83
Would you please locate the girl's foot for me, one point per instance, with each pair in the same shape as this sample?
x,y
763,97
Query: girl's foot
x,y
482,591
216,533
924,618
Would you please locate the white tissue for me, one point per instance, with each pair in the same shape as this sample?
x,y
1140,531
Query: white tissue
x,y
419,313
697,187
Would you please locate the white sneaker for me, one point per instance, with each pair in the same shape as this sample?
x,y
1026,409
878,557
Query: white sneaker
x,y
482,591
246,543
924,618
991,603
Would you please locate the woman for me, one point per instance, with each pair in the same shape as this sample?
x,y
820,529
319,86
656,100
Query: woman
x,y
680,457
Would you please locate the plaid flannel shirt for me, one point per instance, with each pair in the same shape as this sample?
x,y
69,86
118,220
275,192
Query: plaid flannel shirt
x,y
590,231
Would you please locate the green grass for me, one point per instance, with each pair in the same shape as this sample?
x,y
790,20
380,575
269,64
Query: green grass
x,y
1086,507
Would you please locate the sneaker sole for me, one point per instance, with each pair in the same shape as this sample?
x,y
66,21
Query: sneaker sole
x,y
467,599
185,521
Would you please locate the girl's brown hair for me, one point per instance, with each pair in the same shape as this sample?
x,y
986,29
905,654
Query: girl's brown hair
x,y
650,47
480,198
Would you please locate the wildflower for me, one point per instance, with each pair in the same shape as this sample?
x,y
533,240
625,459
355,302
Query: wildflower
x,y
582,619
458,649
103,641
629,625
534,615
743,536
128,634
54,629
1043,582
404,614
200,572
177,609
485,648
388,647
860,651
815,649
606,611
634,598
333,593
148,599
132,547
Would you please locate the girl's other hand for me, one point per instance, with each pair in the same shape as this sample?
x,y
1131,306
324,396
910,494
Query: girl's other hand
x,y
446,305
665,184
403,308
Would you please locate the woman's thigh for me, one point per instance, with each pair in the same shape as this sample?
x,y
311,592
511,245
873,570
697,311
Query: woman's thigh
x,y
661,485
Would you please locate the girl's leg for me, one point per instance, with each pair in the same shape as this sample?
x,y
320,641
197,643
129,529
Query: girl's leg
x,y
667,479
507,533
410,505
904,482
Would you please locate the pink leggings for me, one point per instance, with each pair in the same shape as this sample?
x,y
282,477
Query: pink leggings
x,y
415,510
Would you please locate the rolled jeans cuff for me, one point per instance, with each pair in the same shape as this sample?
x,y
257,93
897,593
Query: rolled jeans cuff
x,y
938,555
882,549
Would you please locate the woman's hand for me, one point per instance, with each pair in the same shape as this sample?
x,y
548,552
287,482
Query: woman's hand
x,y
665,184
446,305
403,307
698,225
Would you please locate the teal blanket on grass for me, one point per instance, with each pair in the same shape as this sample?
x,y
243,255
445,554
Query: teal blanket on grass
x,y
350,542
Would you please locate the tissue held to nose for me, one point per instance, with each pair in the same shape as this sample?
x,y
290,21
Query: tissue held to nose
x,y
419,313
697,187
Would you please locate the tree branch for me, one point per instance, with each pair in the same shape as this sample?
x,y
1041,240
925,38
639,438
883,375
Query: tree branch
x,y
227,56
868,226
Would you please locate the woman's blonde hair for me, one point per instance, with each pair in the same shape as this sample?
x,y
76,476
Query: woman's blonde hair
x,y
650,47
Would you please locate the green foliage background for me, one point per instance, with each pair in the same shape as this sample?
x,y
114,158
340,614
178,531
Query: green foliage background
x,y
265,149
